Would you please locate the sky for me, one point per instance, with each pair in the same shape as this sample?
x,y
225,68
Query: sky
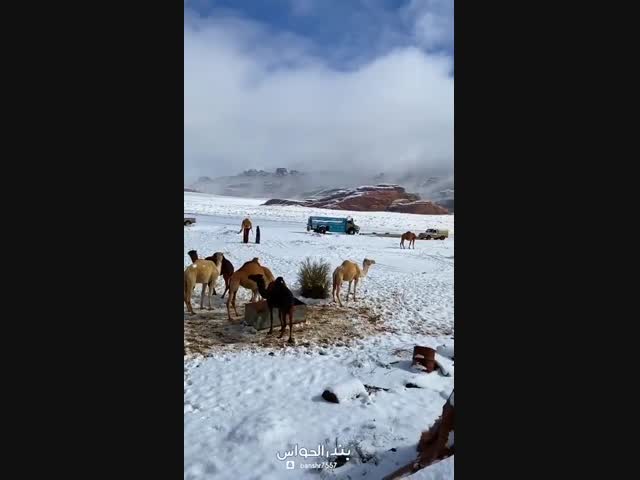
x,y
362,85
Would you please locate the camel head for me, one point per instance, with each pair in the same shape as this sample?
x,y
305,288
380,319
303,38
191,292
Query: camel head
x,y
193,254
366,263
217,258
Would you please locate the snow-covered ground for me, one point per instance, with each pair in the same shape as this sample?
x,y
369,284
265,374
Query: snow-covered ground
x,y
204,204
243,408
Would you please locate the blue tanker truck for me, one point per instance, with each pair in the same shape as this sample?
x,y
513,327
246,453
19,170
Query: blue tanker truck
x,y
333,225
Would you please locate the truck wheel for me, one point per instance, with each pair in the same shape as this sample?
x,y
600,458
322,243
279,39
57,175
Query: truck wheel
x,y
322,230
187,223
428,237
351,231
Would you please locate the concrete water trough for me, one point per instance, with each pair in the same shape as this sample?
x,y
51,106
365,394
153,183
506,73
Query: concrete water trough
x,y
257,315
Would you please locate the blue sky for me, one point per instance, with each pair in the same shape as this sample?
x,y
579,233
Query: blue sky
x,y
260,74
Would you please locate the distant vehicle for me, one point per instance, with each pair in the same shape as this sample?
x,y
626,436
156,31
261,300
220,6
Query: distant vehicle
x,y
434,233
189,220
332,224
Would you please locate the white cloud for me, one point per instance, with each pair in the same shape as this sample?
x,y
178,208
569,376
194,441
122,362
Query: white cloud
x,y
259,99
431,22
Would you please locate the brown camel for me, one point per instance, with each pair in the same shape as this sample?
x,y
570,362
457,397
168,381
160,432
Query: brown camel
x,y
241,278
201,271
411,237
349,272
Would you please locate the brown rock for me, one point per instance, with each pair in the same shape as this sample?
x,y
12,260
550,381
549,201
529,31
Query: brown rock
x,y
422,207
376,198
278,201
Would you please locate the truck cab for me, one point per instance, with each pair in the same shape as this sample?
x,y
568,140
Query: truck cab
x,y
351,227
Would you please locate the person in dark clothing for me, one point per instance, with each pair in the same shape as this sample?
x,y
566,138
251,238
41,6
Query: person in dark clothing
x,y
257,234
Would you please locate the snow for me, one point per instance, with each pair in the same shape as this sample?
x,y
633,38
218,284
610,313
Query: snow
x,y
204,204
443,470
445,351
348,389
242,405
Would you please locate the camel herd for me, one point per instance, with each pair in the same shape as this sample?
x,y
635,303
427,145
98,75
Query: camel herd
x,y
207,271
260,281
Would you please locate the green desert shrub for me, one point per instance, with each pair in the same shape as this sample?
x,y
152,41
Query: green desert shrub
x,y
313,277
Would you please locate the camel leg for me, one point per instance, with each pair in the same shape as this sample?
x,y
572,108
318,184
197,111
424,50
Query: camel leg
x,y
204,291
228,309
271,326
234,303
226,287
187,301
338,293
231,301
283,323
355,284
349,290
212,292
290,325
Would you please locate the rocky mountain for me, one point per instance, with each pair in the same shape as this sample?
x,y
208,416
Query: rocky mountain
x,y
381,197
422,207
436,187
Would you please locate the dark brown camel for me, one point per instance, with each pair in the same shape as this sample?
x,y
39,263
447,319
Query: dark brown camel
x,y
227,269
279,296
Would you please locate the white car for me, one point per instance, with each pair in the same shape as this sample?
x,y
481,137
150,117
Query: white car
x,y
433,233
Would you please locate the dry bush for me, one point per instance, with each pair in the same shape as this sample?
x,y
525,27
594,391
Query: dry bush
x,y
313,277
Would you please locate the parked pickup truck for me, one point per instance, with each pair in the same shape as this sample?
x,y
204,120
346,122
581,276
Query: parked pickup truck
x,y
332,224
189,220
434,233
